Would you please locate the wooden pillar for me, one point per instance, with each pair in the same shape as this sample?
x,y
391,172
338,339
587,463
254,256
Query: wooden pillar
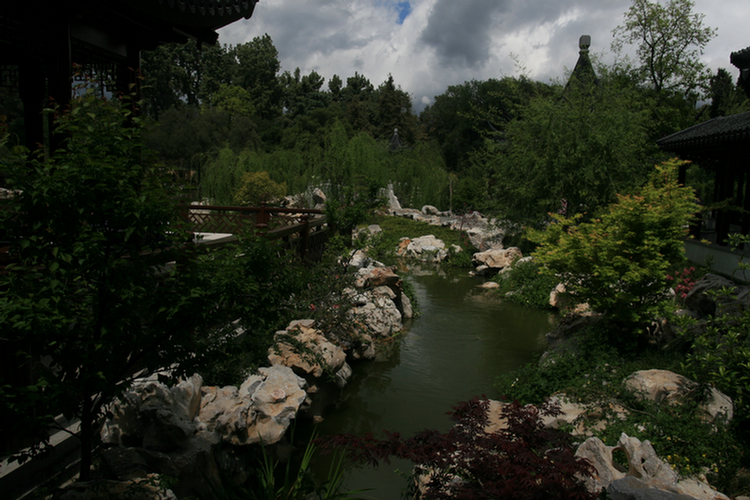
x,y
723,217
304,234
33,95
744,166
59,65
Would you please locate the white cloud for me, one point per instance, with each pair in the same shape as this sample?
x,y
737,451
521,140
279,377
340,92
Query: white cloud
x,y
448,42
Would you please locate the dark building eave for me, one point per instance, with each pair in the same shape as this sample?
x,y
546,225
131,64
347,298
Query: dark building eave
x,y
722,131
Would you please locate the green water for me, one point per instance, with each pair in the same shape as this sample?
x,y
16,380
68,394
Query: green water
x,y
462,341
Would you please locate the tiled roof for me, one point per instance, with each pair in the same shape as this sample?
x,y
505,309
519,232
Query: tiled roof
x,y
723,130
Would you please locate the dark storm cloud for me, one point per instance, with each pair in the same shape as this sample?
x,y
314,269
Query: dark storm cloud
x,y
459,31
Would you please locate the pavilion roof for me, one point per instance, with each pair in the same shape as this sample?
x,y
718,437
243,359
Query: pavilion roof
x,y
724,131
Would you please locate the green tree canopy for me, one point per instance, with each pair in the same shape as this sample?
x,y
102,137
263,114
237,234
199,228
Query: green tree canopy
x,y
669,39
618,263
572,152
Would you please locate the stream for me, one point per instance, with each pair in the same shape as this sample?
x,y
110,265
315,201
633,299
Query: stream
x,y
464,338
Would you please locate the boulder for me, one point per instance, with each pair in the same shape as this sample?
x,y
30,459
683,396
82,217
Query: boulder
x,y
654,479
631,488
260,411
393,203
306,350
496,259
700,300
485,238
319,197
489,285
144,488
154,416
371,277
425,248
430,210
663,386
376,310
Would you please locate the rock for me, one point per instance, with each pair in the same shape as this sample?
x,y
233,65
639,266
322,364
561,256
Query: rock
x,y
663,386
154,416
600,456
647,476
359,259
563,339
631,488
558,298
319,198
407,312
261,410
393,203
377,311
371,277
700,300
342,376
425,248
496,259
145,488
484,238
489,285
430,210
306,350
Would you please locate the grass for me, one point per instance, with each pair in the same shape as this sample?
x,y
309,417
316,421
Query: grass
x,y
593,374
383,247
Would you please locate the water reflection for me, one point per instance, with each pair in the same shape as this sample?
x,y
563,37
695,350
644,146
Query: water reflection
x,y
464,338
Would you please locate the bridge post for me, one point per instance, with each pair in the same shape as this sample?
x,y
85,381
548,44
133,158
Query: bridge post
x,y
304,237
263,217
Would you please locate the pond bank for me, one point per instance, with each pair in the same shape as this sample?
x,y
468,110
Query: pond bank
x,y
464,338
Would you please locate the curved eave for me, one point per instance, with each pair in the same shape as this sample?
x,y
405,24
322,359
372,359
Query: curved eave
x,y
196,14
724,131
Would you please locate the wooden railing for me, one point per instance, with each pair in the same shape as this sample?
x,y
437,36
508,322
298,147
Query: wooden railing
x,y
304,230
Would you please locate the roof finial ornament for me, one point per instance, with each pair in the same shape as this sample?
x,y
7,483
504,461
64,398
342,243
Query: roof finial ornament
x,y
584,43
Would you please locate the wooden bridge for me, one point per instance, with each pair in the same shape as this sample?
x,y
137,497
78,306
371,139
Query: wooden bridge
x,y
304,230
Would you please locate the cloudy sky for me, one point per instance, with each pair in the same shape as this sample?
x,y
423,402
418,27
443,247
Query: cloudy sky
x,y
428,45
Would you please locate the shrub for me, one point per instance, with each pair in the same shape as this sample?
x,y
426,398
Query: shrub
x,y
523,461
618,263
257,187
525,284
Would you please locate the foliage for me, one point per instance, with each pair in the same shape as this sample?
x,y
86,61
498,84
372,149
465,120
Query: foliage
x,y
720,349
245,295
255,71
570,153
525,284
619,263
727,98
669,39
603,366
383,247
523,461
680,436
87,299
592,371
257,187
293,481
221,177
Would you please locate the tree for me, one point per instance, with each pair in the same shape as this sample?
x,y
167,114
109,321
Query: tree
x,y
87,300
522,461
256,71
177,74
619,263
669,40
726,97
571,152
394,112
